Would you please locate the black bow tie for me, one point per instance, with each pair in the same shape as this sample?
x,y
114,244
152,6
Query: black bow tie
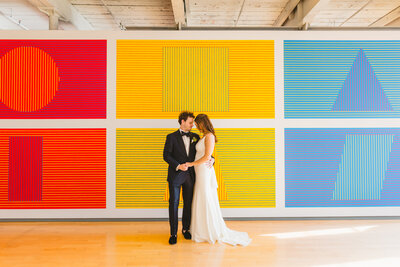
x,y
187,134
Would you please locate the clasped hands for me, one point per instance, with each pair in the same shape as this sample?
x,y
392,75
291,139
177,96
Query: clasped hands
x,y
187,165
184,166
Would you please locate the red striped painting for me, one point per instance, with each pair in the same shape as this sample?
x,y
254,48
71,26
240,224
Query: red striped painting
x,y
50,79
52,168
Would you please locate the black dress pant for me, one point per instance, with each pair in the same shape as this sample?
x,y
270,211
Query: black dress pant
x,y
184,180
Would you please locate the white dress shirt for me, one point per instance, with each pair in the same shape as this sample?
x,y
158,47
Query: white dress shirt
x,y
186,141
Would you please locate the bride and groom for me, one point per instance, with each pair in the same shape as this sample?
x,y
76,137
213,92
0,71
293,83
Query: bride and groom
x,y
191,168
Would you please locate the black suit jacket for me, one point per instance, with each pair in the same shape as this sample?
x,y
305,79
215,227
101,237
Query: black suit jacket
x,y
175,154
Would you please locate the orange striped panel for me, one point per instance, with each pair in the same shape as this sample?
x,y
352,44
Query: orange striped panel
x,y
74,169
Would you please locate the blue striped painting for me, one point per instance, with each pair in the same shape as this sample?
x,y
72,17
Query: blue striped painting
x,y
342,167
342,79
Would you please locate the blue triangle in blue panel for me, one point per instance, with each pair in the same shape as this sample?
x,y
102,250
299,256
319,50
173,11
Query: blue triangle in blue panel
x,y
391,184
361,90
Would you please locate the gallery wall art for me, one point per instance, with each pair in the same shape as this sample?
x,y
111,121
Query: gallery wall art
x,y
52,168
225,79
342,167
53,79
342,79
307,126
244,163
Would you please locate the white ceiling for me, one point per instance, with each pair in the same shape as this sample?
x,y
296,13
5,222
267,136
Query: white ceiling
x,y
132,14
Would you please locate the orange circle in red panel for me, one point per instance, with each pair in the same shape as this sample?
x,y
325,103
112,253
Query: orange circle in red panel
x,y
28,79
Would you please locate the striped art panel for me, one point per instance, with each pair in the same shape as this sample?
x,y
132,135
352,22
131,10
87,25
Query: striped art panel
x,y
52,168
342,79
45,79
248,166
342,167
225,79
202,69
141,172
245,163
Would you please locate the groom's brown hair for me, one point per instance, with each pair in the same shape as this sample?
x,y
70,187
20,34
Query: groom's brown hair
x,y
184,116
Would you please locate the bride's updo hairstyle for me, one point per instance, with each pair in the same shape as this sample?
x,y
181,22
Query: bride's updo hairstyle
x,y
204,124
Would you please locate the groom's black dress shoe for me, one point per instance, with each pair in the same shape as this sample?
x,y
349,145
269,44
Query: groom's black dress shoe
x,y
172,240
187,234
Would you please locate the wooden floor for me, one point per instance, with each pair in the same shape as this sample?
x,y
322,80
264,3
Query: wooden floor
x,y
275,243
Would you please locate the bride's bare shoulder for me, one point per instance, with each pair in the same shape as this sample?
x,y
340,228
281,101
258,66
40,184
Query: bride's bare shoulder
x,y
209,136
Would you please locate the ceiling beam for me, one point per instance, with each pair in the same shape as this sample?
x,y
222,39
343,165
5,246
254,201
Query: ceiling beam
x,y
64,10
9,23
53,19
394,23
388,18
240,12
288,9
304,13
178,7
355,13
187,12
117,22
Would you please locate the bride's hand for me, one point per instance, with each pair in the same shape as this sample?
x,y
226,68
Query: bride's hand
x,y
189,164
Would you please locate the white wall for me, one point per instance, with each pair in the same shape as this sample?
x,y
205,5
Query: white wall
x,y
279,123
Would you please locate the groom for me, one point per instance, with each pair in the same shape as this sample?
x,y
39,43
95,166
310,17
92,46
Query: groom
x,y
179,148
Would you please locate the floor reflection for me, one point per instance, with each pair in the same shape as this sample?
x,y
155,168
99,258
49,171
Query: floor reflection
x,y
275,243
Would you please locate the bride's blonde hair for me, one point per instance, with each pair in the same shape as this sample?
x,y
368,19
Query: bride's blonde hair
x,y
204,124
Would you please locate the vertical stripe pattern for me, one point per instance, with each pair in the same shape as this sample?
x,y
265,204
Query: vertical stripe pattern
x,y
195,78
29,79
25,168
363,166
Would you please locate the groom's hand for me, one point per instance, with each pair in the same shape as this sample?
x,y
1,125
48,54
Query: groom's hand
x,y
183,167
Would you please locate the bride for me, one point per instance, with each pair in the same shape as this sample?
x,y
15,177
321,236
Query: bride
x,y
207,223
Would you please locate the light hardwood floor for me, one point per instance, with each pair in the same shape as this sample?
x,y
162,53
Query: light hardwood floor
x,y
275,243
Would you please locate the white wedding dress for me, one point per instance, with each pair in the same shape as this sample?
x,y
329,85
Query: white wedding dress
x,y
207,224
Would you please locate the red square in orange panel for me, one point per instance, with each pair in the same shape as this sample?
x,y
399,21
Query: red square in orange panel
x,y
68,173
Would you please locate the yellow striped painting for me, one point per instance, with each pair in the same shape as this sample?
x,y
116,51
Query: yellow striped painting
x,y
225,79
245,167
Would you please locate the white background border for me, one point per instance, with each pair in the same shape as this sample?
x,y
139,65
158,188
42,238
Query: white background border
x,y
279,123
